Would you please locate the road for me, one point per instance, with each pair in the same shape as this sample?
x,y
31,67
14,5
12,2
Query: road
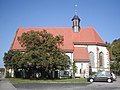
x,y
70,86
5,85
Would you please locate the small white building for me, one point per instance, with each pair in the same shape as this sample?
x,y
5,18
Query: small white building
x,y
82,45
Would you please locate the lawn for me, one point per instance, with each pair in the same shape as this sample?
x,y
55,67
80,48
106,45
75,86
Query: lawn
x,y
18,81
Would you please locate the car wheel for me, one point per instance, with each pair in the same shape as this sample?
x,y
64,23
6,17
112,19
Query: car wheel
x,y
109,80
91,80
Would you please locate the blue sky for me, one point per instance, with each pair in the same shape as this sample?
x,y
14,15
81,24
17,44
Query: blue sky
x,y
103,15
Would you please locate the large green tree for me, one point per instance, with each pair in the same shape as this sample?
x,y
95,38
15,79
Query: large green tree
x,y
42,51
42,54
115,55
115,49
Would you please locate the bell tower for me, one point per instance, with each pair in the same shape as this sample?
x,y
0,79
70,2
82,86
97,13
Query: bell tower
x,y
76,23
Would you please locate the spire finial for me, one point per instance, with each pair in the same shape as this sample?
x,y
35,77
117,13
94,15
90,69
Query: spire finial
x,y
75,20
75,9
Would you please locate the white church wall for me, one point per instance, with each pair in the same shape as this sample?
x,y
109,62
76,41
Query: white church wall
x,y
80,45
106,57
96,50
82,69
71,56
93,48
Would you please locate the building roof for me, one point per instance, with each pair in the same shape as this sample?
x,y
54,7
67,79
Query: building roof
x,y
76,17
80,54
85,36
66,32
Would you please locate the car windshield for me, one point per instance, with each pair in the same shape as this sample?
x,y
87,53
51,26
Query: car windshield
x,y
102,74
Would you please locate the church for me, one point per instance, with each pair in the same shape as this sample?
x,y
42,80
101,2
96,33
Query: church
x,y
83,45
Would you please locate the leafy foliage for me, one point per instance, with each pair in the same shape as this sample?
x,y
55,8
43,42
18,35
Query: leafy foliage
x,y
42,49
12,59
42,54
116,50
74,68
115,55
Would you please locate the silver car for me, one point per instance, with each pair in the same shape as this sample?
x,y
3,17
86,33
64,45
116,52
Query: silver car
x,y
101,76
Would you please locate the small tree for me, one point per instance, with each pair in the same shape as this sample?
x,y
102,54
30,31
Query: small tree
x,y
74,68
12,61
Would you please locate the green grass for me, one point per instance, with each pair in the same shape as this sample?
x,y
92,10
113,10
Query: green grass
x,y
18,81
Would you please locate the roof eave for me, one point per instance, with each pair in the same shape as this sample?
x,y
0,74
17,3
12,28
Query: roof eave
x,y
81,60
89,43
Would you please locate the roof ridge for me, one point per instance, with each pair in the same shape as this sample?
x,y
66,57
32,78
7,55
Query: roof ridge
x,y
51,27
40,27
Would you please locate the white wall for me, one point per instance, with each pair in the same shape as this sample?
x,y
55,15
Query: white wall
x,y
84,66
93,48
71,56
106,57
96,50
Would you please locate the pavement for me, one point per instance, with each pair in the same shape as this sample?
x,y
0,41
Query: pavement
x,y
6,85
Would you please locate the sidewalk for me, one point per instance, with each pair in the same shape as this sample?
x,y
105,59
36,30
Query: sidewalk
x,y
6,85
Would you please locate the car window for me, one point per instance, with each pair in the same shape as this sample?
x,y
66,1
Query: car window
x,y
102,74
107,74
99,74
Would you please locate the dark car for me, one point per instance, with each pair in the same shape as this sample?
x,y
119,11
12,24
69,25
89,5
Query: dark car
x,y
101,76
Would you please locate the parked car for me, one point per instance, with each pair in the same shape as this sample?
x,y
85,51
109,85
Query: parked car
x,y
101,76
114,76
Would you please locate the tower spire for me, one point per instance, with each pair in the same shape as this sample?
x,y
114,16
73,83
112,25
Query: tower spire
x,y
75,9
76,21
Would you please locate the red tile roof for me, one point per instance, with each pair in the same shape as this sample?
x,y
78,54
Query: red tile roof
x,y
80,54
85,36
66,32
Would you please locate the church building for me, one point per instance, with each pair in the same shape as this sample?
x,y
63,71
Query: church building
x,y
84,46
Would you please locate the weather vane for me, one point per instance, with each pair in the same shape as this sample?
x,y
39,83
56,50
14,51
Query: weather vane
x,y
75,9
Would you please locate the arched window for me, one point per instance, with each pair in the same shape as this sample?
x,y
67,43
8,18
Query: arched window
x,y
101,58
92,61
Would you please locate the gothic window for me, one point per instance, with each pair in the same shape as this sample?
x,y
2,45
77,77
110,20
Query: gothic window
x,y
101,58
92,61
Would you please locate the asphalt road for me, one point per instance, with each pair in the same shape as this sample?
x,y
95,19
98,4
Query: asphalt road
x,y
70,86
